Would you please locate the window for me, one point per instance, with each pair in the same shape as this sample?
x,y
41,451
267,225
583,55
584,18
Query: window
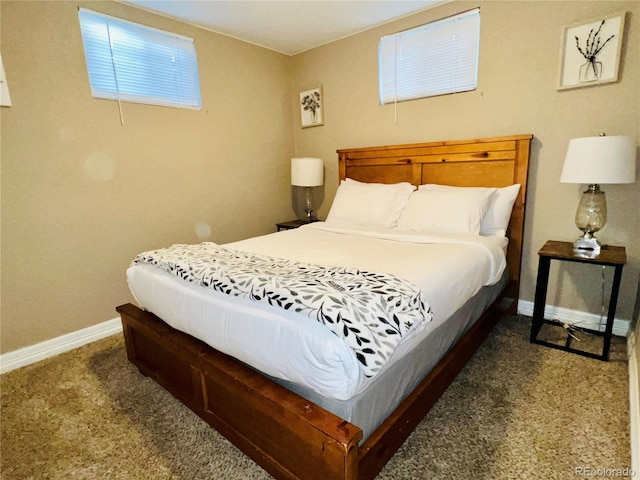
x,y
433,59
134,63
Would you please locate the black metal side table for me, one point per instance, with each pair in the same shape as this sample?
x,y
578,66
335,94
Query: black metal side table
x,y
554,250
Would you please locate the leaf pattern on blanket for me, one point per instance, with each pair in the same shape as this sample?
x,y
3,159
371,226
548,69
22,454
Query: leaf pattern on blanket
x,y
370,311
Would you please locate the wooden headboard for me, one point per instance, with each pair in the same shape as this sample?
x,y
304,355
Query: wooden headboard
x,y
480,162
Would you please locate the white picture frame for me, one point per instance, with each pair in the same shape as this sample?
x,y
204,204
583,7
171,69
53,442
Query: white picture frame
x,y
5,98
590,53
311,110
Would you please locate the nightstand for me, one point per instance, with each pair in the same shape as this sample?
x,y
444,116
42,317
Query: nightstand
x,y
291,224
554,250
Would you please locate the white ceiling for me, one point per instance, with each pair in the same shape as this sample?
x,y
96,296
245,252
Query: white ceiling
x,y
288,27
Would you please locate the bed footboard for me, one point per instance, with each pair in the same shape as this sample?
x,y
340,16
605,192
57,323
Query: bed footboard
x,y
286,434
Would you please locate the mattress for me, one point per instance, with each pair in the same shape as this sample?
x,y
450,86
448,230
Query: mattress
x,y
449,269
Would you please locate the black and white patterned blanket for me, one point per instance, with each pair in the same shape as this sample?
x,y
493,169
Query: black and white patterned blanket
x,y
370,311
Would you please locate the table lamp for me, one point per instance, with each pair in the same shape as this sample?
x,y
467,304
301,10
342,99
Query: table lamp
x,y
595,161
307,172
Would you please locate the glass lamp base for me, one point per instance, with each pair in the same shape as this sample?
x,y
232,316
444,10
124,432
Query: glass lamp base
x,y
306,201
587,245
309,217
591,216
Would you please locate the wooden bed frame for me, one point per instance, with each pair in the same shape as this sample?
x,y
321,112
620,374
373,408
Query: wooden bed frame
x,y
289,436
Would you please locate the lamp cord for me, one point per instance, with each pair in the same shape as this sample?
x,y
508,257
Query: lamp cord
x,y
602,298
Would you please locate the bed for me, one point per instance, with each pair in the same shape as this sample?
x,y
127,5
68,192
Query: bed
x,y
294,430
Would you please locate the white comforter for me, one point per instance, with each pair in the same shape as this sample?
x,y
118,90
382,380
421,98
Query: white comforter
x,y
449,269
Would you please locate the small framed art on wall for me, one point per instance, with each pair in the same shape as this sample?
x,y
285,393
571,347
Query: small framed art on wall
x,y
590,52
311,111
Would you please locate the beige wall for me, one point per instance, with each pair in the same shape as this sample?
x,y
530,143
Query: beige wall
x,y
518,75
81,194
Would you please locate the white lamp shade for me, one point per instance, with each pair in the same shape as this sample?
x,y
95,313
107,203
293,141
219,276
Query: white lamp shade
x,y
600,160
307,172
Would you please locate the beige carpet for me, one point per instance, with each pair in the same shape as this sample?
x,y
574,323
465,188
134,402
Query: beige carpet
x,y
517,411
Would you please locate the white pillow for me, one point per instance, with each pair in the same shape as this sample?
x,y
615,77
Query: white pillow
x,y
450,211
496,220
376,205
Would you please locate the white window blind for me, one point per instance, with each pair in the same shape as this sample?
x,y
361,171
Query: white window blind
x,y
134,63
433,59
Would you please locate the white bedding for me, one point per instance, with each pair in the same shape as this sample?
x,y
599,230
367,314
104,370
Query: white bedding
x,y
449,269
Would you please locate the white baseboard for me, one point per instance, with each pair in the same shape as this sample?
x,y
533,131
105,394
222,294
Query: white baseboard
x,y
49,348
634,400
583,319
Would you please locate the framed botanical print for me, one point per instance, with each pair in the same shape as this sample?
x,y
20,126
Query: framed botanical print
x,y
311,111
590,52
5,98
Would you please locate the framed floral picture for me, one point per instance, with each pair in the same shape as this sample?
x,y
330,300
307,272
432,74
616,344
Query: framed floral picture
x,y
5,98
311,110
590,52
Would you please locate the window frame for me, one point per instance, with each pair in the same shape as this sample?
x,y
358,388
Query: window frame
x,y
148,76
390,48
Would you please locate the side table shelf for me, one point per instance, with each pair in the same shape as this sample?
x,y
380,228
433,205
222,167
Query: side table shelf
x,y
554,250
